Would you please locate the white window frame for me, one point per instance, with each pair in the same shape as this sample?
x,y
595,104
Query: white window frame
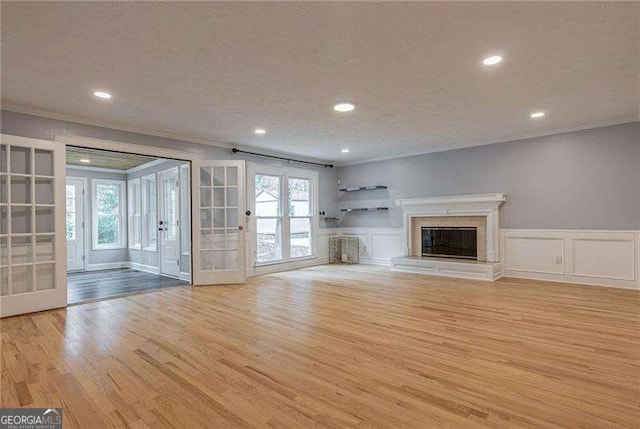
x,y
149,224
122,236
132,216
284,173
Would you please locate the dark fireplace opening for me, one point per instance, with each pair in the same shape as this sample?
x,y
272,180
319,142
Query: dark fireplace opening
x,y
451,242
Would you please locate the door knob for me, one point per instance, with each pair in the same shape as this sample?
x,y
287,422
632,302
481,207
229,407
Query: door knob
x,y
240,227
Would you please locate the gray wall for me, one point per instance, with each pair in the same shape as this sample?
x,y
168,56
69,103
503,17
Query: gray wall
x,y
579,180
43,128
106,255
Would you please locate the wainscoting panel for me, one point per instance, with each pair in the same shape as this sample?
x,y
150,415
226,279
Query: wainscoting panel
x,y
537,254
377,245
605,258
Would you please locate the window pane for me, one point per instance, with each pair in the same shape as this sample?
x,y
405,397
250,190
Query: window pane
x,y
267,195
135,213
107,199
299,197
269,240
300,237
108,229
71,226
149,205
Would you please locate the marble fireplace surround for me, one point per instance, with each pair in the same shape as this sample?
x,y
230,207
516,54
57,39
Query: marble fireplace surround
x,y
479,222
480,210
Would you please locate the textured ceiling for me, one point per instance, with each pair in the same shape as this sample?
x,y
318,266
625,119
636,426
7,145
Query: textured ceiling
x,y
215,71
105,159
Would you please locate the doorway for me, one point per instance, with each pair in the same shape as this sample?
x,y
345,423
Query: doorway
x,y
128,223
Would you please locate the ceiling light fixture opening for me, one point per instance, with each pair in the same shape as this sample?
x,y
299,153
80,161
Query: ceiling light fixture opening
x,y
345,150
538,115
102,94
344,107
260,131
85,161
492,60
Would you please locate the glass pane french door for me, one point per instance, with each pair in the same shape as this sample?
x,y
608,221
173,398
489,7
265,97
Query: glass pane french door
x,y
219,190
32,225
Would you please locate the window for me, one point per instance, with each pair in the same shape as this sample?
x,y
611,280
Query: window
x,y
108,207
149,213
268,218
71,212
284,203
135,214
300,217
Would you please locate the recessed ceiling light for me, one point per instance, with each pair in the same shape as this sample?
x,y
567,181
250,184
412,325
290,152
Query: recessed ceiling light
x,y
344,107
260,131
345,151
102,94
537,115
85,161
492,60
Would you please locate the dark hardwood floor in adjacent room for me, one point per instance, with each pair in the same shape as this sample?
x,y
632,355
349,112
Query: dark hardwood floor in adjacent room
x,y
335,347
92,285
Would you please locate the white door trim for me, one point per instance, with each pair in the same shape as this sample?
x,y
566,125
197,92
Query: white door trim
x,y
85,209
175,171
193,157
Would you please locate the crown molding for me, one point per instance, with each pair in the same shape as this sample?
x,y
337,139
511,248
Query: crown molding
x,y
491,142
148,132
198,140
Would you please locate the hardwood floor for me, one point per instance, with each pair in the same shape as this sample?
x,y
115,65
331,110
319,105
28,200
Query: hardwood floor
x,y
335,347
92,285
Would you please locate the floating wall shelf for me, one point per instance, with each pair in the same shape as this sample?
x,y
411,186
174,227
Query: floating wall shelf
x,y
363,188
365,209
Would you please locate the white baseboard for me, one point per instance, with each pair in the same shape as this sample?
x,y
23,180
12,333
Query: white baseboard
x,y
107,266
287,266
185,277
590,257
146,268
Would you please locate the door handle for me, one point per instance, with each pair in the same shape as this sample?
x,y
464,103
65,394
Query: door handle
x,y
240,227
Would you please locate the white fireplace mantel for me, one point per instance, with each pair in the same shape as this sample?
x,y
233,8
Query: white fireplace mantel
x,y
452,201
486,205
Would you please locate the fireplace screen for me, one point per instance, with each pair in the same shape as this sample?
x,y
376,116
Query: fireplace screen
x,y
450,242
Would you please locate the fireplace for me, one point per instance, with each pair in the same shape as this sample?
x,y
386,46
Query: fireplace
x,y
450,242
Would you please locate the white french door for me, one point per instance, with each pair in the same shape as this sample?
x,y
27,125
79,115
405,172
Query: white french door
x,y
32,225
75,223
218,189
169,222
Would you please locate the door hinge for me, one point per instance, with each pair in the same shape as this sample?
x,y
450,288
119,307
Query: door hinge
x,y
177,223
83,257
178,262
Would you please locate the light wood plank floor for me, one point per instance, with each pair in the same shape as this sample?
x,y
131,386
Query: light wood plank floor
x,y
335,347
